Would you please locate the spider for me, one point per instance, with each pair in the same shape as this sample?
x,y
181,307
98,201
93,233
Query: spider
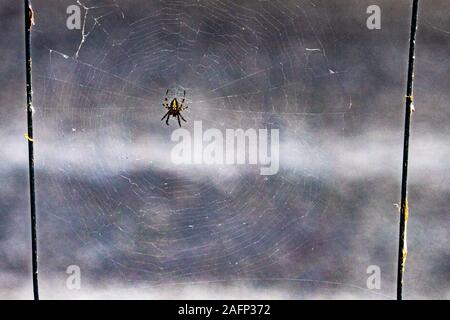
x,y
174,108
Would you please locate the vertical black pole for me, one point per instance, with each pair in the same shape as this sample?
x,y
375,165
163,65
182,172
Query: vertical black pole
x,y
28,63
404,210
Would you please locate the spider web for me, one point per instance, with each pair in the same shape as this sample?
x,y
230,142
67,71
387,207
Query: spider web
x,y
106,184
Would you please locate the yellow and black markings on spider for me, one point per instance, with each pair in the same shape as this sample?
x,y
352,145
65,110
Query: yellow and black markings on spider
x,y
404,253
410,100
405,249
174,108
28,138
30,22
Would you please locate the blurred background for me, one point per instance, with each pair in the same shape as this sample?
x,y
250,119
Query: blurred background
x,y
110,201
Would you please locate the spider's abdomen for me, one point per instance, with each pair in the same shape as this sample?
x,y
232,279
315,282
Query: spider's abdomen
x,y
174,104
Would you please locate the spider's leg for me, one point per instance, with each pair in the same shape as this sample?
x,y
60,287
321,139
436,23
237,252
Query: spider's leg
x,y
166,115
166,99
182,101
182,118
179,122
167,121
